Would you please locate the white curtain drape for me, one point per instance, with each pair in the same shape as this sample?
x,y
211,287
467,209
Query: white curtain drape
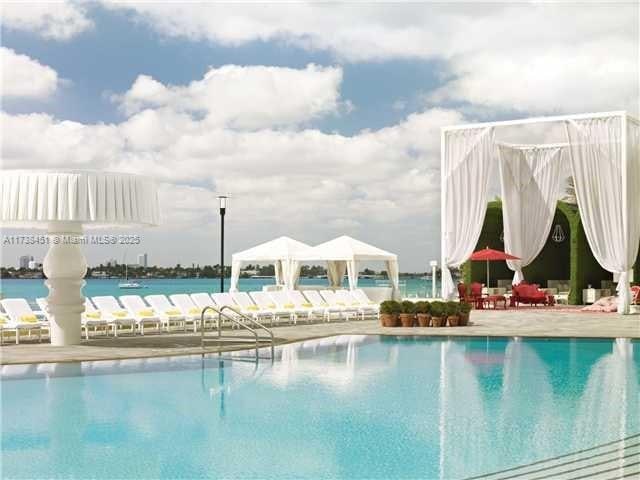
x,y
608,192
352,273
530,181
278,272
335,272
467,163
236,265
290,273
393,274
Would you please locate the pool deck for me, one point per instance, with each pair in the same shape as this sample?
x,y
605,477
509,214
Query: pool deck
x,y
492,323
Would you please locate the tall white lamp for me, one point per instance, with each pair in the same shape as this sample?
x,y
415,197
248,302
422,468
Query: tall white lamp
x,y
63,202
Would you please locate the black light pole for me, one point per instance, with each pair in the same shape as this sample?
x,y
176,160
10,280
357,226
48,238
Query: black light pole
x,y
223,209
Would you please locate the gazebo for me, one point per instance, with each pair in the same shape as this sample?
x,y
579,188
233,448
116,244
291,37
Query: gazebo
x,y
284,252
344,254
601,151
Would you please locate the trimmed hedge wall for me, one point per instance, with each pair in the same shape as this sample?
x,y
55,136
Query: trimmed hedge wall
x,y
571,259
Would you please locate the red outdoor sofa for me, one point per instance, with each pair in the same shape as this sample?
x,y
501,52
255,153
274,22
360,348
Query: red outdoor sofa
x,y
530,294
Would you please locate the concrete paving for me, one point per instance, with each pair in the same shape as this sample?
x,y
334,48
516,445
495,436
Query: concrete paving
x,y
531,322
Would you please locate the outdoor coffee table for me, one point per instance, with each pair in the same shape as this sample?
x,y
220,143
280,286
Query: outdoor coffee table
x,y
495,300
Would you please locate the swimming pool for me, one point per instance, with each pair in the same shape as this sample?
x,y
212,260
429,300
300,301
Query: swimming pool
x,y
341,407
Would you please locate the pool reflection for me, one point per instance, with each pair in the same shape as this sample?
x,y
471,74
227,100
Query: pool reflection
x,y
345,406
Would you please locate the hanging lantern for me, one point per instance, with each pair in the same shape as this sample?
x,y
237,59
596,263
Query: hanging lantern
x,y
558,234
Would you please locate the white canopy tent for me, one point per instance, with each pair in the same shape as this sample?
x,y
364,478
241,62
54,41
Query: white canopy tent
x,y
344,254
602,151
283,252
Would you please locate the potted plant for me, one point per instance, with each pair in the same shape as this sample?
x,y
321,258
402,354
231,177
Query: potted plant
x,y
451,310
389,310
464,312
408,313
437,312
423,312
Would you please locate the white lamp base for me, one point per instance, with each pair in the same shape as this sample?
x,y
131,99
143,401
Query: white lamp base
x,y
65,268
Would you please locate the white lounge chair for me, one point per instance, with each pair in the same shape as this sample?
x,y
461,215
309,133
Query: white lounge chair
x,y
20,317
142,313
283,302
114,314
203,300
191,312
89,318
332,299
330,311
298,299
246,305
364,308
4,326
362,297
168,313
266,303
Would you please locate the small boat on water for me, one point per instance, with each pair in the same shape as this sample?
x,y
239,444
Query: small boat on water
x,y
127,284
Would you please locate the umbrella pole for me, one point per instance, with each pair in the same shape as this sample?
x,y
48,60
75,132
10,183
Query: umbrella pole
x,y
487,274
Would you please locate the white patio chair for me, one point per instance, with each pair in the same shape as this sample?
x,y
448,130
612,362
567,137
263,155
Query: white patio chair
x,y
203,300
364,309
348,311
266,303
114,314
362,297
142,313
20,317
245,304
168,313
330,311
298,299
283,302
89,318
190,310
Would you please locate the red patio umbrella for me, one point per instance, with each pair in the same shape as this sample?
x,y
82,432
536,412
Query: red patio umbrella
x,y
490,255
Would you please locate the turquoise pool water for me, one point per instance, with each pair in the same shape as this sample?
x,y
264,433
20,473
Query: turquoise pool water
x,y
342,407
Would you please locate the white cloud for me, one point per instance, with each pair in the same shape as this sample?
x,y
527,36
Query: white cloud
x,y
527,57
296,181
59,20
244,97
25,77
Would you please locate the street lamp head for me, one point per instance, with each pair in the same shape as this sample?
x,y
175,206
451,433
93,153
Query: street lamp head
x,y
433,263
223,199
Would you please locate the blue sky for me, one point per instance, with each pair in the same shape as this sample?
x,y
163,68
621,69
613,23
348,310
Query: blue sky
x,y
318,119
109,57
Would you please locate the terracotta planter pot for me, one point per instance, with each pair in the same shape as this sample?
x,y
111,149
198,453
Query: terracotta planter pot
x,y
453,320
388,319
424,319
437,321
464,319
407,319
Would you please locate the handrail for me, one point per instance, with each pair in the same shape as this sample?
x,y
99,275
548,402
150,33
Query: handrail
x,y
237,322
254,322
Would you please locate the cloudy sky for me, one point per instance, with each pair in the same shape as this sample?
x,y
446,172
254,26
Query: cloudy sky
x,y
318,119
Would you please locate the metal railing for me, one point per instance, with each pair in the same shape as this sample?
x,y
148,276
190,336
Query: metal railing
x,y
240,324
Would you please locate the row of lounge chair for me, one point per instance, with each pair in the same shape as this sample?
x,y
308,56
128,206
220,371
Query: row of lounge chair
x,y
132,313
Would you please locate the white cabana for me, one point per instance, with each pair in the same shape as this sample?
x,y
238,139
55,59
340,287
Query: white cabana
x,y
284,252
602,151
344,254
